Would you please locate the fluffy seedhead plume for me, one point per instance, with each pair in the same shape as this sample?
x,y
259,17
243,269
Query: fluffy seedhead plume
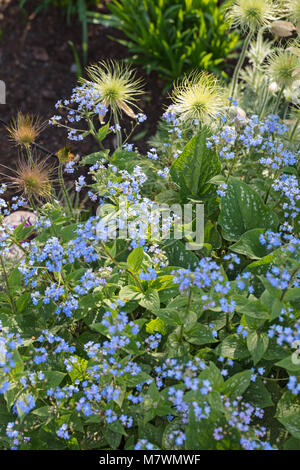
x,y
253,14
198,96
117,85
25,129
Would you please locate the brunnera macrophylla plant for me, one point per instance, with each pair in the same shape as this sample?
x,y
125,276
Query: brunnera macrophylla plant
x,y
113,337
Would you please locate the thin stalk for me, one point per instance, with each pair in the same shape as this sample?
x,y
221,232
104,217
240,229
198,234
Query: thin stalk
x,y
11,300
267,194
228,329
294,128
264,102
133,275
240,63
118,131
285,290
187,311
269,188
231,168
286,108
33,206
28,151
94,132
63,186
279,96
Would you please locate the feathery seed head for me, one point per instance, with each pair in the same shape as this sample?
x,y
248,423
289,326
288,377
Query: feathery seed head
x,y
284,67
25,129
199,96
33,179
293,10
116,84
253,14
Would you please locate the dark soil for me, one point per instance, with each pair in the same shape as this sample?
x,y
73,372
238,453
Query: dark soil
x,y
36,64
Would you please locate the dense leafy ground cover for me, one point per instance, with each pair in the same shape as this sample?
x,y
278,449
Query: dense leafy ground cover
x,y
114,339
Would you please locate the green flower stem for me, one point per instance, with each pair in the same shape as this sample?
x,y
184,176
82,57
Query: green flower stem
x,y
264,102
94,132
294,128
29,155
228,329
231,169
63,186
133,275
11,300
269,188
118,132
279,96
267,194
285,290
33,206
240,63
189,301
187,311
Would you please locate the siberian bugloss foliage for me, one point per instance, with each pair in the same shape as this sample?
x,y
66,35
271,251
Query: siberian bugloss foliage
x,y
172,37
126,339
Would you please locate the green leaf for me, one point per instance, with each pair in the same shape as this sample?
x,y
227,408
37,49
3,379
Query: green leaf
x,y
124,159
150,300
67,233
135,259
133,380
251,308
257,394
199,334
23,301
242,209
156,325
257,344
292,294
102,132
213,374
170,317
237,384
195,166
79,369
233,347
113,438
289,364
95,157
178,255
43,412
249,244
130,293
54,377
292,444
262,265
21,232
15,280
217,180
175,344
288,413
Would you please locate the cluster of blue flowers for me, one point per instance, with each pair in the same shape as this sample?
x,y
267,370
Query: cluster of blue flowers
x,y
9,342
239,416
288,187
85,102
253,134
16,437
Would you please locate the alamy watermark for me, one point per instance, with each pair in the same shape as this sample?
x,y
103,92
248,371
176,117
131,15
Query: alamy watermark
x,y
296,354
2,92
152,221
